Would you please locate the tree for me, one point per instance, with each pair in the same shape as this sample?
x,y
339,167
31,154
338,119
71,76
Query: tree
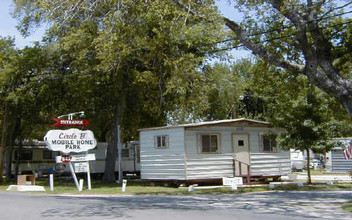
x,y
217,91
310,119
306,37
6,52
225,91
221,91
136,57
18,93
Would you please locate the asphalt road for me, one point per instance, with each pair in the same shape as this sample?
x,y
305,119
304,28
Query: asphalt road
x,y
272,205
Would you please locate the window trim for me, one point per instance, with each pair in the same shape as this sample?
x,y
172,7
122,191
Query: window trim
x,y
166,136
274,149
218,140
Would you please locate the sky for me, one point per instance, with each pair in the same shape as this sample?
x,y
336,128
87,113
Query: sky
x,y
8,26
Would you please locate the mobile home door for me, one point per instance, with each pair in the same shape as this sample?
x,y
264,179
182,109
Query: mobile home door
x,y
241,153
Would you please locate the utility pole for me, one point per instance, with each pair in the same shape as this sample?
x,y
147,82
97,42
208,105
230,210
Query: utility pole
x,y
119,153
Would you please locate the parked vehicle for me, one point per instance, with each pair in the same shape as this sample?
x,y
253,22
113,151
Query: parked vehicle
x,y
316,164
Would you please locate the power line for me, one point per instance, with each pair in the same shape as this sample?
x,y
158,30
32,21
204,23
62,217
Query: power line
x,y
276,38
290,26
285,36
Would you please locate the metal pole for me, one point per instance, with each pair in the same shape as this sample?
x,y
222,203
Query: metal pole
x,y
124,183
88,177
119,151
74,176
51,182
81,184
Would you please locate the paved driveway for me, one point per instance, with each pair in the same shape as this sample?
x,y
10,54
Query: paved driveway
x,y
274,205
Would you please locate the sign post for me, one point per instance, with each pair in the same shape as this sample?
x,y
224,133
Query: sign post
x,y
74,176
72,141
88,177
81,165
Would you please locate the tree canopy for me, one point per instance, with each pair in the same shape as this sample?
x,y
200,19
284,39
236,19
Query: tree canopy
x,y
310,37
127,62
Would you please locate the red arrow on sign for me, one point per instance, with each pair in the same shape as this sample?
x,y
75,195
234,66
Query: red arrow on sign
x,y
67,122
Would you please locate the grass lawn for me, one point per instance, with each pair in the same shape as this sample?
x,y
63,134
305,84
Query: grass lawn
x,y
322,172
347,207
67,186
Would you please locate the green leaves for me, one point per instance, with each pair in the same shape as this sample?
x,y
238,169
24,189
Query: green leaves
x,y
137,55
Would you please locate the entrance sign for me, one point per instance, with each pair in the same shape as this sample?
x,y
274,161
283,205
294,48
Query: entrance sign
x,y
67,122
71,140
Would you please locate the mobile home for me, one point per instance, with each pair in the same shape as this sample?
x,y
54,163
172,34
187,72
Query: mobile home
x,y
36,158
335,160
212,150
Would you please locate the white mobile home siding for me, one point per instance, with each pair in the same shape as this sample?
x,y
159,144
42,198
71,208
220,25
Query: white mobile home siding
x,y
208,165
338,162
218,165
270,164
266,163
168,163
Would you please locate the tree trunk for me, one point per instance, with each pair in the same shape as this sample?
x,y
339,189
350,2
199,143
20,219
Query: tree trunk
x,y
309,179
119,154
4,138
9,151
111,154
234,111
20,148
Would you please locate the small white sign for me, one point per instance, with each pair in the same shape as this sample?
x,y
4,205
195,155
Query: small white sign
x,y
81,167
82,157
77,158
71,140
231,181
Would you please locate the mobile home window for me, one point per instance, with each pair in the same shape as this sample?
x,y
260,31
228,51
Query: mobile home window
x,y
23,155
209,143
161,141
269,143
48,155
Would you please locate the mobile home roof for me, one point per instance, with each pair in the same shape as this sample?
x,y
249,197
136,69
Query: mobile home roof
x,y
220,122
